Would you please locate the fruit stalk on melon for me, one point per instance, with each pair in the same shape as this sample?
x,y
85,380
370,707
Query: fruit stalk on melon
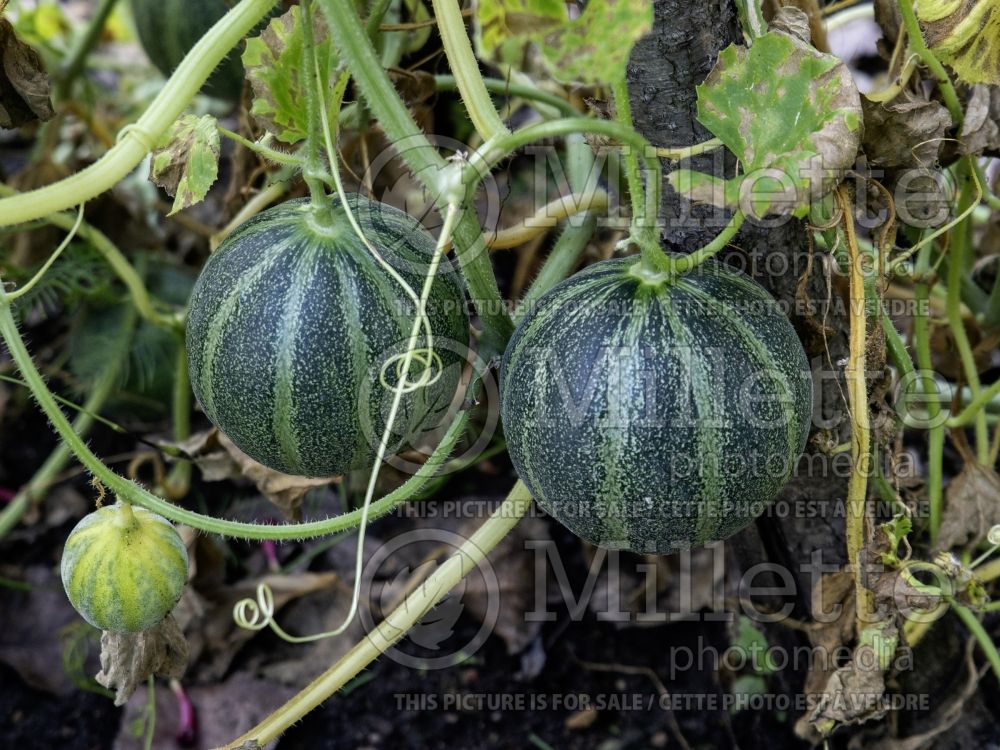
x,y
651,413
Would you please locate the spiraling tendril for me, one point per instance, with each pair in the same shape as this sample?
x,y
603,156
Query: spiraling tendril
x,y
258,614
432,369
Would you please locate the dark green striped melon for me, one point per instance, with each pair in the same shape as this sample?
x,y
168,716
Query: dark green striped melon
x,y
289,328
124,568
168,29
655,416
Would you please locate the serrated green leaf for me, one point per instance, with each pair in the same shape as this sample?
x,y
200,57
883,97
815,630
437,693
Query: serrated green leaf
x,y
966,35
186,160
789,113
273,63
592,48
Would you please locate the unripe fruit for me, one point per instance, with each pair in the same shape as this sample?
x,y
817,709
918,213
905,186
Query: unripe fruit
x,y
124,568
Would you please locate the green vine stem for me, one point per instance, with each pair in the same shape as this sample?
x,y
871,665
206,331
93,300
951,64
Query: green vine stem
x,y
423,160
136,140
313,173
982,637
571,242
33,492
644,226
493,152
957,255
512,89
465,68
930,61
396,623
936,431
118,262
178,481
133,493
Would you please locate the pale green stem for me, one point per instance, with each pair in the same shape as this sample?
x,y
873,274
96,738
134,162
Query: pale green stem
x,y
397,623
957,254
509,89
423,160
465,68
136,140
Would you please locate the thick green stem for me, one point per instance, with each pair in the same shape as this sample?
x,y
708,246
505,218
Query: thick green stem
x,y
423,160
643,229
314,171
567,249
136,140
936,431
930,61
957,254
465,68
397,623
132,492
510,89
34,491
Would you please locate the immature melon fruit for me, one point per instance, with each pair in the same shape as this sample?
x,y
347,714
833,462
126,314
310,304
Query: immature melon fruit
x,y
124,568
655,416
168,29
289,328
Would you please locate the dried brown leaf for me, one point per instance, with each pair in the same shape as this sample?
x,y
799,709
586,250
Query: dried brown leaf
x,y
128,659
971,506
907,132
24,84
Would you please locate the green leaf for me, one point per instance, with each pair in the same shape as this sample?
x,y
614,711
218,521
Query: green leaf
x,y
273,63
186,160
966,35
592,48
789,113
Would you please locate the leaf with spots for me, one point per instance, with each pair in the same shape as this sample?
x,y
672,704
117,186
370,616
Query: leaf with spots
x,y
186,160
789,113
966,35
572,49
273,63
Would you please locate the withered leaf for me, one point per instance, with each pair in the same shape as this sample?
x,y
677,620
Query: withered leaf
x,y
186,160
128,659
906,132
24,84
219,460
981,127
971,506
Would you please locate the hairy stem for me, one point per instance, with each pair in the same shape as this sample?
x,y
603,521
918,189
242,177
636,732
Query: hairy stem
x,y
464,66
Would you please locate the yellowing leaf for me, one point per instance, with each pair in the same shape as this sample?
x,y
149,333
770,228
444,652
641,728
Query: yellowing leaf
x,y
186,160
790,114
273,62
591,48
966,35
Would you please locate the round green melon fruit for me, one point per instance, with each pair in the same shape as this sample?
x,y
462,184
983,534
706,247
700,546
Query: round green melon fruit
x,y
168,29
291,326
655,415
124,568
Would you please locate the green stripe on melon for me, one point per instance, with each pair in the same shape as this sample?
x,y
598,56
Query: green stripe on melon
x,y
124,568
655,416
289,327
